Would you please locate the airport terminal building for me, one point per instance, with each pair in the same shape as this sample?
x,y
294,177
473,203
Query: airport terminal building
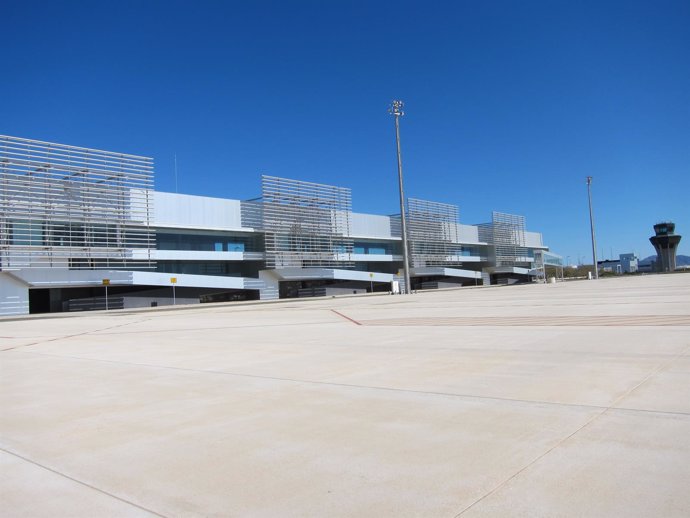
x,y
76,223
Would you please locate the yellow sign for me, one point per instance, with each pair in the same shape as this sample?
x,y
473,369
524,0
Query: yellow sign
x,y
106,282
173,280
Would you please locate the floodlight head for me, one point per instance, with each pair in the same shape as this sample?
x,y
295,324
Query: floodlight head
x,y
589,180
396,108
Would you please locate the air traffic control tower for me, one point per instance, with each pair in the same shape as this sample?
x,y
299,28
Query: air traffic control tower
x,y
666,243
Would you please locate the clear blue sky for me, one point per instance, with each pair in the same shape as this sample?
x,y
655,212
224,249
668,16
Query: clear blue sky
x,y
510,105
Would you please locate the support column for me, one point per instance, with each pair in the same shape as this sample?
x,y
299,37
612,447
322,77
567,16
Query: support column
x,y
14,295
271,286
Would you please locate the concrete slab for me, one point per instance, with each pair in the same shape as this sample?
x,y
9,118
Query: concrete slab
x,y
303,409
622,464
33,491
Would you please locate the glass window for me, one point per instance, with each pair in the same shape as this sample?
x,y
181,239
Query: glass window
x,y
27,233
373,248
234,246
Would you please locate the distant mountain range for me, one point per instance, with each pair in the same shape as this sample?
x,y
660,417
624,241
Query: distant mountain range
x,y
681,260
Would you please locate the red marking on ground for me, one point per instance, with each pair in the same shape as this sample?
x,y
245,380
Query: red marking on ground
x,y
346,317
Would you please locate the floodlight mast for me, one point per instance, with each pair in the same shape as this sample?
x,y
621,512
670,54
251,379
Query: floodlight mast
x,y
591,224
396,109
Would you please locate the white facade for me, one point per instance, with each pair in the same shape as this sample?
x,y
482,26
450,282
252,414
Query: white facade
x,y
222,249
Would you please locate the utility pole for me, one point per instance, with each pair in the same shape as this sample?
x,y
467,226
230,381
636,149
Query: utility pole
x,y
396,110
591,224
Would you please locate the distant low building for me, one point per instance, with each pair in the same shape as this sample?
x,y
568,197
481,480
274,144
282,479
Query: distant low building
x,y
626,263
629,263
610,266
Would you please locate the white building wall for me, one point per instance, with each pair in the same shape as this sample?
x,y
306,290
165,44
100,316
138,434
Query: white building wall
x,y
468,233
186,211
533,240
371,226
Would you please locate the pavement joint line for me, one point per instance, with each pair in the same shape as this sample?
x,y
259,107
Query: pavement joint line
x,y
54,339
217,307
463,304
587,353
536,321
81,482
654,371
365,387
346,317
662,366
289,304
216,328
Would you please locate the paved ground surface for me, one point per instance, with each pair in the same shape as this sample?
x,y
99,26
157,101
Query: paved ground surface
x,y
543,400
